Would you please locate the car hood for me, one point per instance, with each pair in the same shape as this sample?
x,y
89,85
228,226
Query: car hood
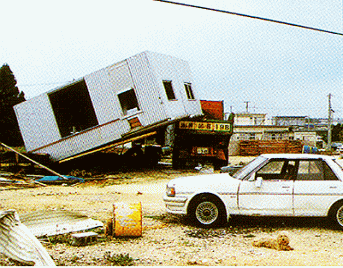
x,y
212,182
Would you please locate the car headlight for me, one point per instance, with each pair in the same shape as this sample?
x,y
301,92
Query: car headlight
x,y
170,191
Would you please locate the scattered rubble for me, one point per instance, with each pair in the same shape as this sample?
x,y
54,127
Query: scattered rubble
x,y
19,180
85,238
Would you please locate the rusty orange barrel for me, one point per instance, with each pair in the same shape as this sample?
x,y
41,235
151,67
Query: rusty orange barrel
x,y
127,219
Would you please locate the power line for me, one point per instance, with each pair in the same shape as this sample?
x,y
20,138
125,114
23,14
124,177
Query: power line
x,y
252,17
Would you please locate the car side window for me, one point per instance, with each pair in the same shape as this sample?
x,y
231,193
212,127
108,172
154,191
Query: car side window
x,y
310,170
273,170
329,175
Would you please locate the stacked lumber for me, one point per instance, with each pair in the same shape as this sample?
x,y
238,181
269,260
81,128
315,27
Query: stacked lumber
x,y
295,147
257,147
270,147
248,148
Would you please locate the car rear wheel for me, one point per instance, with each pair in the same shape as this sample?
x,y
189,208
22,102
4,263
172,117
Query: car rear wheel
x,y
207,211
336,215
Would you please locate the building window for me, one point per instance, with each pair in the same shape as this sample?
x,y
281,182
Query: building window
x,y
169,90
128,101
73,108
189,91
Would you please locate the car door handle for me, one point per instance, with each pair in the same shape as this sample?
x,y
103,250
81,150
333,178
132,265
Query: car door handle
x,y
286,187
333,187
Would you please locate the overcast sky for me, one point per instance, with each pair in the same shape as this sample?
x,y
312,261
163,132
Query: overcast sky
x,y
278,69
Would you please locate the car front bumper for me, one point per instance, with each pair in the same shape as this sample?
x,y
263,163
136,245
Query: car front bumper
x,y
176,205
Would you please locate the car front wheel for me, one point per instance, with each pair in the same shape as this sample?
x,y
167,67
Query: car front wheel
x,y
207,211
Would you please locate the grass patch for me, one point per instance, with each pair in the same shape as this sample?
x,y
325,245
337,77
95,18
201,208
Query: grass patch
x,y
60,239
119,259
156,217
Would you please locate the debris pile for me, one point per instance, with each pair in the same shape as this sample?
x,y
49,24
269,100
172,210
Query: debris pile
x,y
18,243
19,180
49,223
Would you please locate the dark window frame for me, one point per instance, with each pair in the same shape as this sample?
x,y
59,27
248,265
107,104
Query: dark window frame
x,y
286,172
168,87
327,173
73,108
311,165
273,170
189,91
128,100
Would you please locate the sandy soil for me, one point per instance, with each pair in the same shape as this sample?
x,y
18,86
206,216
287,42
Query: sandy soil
x,y
168,240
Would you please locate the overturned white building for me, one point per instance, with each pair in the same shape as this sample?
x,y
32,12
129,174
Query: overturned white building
x,y
109,105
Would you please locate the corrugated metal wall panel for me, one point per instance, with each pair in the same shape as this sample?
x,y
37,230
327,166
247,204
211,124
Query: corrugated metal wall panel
x,y
86,140
166,67
37,122
104,86
102,96
147,92
184,75
120,76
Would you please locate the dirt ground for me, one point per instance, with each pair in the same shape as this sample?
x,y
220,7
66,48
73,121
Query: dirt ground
x,y
169,240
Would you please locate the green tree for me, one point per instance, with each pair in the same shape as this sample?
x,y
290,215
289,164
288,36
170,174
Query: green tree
x,y
9,96
337,132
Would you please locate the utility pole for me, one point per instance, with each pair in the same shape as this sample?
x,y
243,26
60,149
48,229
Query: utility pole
x,y
329,123
247,106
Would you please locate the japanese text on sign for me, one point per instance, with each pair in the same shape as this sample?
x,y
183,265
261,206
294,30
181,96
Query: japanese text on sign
x,y
206,126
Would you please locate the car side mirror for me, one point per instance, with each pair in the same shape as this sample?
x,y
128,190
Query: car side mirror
x,y
258,182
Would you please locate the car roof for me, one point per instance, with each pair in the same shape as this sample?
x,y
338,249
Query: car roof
x,y
297,156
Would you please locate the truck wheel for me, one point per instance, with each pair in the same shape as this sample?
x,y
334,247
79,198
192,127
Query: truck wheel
x,y
207,211
336,215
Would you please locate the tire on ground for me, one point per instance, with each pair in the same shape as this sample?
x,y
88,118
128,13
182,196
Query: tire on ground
x,y
207,211
336,215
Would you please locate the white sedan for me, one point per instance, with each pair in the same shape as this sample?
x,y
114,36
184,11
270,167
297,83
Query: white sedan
x,y
270,185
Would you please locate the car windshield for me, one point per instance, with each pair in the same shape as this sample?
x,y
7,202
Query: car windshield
x,y
246,170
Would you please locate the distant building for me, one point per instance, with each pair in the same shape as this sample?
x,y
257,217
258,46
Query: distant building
x,y
260,133
308,137
249,119
301,122
291,120
254,126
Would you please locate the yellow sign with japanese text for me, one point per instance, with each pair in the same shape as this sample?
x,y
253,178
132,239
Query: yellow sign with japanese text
x,y
205,126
